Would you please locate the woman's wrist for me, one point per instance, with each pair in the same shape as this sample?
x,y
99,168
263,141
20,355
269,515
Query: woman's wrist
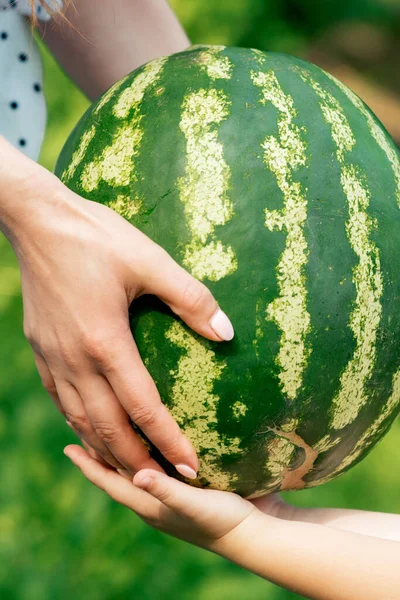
x,y
24,187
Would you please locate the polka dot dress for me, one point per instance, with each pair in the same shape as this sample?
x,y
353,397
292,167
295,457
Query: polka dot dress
x,y
22,105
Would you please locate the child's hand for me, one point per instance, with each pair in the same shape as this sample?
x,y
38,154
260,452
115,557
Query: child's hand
x,y
201,517
319,553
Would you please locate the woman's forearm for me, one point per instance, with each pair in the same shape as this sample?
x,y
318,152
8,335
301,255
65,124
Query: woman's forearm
x,y
315,561
97,45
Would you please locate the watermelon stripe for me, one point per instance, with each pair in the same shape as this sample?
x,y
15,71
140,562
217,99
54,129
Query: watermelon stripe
x,y
367,277
368,438
126,206
259,56
115,165
204,189
259,325
132,96
326,443
195,404
283,156
79,154
106,97
216,67
377,132
280,452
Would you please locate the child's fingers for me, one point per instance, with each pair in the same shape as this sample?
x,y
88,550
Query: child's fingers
x,y
118,488
186,501
213,513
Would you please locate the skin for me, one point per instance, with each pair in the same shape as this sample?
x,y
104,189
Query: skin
x,y
82,264
323,554
77,324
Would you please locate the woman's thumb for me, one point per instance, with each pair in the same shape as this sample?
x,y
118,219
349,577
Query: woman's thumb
x,y
188,298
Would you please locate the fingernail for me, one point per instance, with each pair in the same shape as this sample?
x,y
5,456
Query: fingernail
x,y
222,326
186,471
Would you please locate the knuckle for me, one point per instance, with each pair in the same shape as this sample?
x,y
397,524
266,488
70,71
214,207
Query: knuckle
x,y
195,296
49,386
173,445
43,347
145,417
68,355
163,494
79,422
97,345
29,335
32,338
107,432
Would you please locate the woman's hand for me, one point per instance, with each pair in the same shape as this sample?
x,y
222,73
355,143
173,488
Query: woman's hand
x,y
202,517
81,267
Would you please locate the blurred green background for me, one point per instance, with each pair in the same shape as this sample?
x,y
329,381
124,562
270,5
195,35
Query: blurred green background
x,y
59,536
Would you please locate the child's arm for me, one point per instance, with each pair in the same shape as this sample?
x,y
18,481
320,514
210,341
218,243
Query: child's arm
x,y
102,42
316,561
375,524
312,559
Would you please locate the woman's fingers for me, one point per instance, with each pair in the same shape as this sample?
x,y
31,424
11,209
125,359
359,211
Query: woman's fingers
x,y
118,488
136,391
48,381
79,421
107,420
187,297
99,407
51,388
112,425
92,452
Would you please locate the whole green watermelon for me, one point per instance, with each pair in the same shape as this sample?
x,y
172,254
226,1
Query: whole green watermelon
x,y
273,183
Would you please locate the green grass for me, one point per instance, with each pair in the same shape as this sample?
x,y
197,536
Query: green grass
x,y
61,538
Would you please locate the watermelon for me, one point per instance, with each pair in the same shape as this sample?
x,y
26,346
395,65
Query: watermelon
x,y
271,182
